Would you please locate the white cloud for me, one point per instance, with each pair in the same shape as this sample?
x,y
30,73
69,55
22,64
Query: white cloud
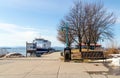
x,y
14,35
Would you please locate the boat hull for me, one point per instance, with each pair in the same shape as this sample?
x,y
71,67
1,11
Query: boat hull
x,y
42,50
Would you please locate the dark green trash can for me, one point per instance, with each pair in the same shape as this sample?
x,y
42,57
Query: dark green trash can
x,y
67,54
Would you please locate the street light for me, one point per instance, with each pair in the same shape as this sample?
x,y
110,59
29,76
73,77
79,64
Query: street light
x,y
66,33
67,50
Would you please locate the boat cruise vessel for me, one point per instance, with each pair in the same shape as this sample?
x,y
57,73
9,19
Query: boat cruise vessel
x,y
38,46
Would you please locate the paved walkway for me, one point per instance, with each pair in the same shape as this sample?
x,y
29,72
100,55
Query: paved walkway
x,y
49,66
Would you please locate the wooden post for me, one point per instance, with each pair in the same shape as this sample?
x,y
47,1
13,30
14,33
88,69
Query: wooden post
x,y
26,49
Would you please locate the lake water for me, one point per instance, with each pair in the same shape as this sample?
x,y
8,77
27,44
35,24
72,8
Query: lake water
x,y
18,50
22,50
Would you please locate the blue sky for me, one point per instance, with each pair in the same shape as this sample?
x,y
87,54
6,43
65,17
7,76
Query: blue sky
x,y
23,20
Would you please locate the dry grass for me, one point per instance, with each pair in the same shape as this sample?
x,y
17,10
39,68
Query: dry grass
x,y
111,51
75,54
77,50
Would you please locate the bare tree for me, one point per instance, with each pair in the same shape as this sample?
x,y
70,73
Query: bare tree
x,y
99,23
89,22
76,19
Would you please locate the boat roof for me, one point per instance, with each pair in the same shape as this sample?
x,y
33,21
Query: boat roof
x,y
41,39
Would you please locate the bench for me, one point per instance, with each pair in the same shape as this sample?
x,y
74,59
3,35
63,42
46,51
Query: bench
x,y
93,55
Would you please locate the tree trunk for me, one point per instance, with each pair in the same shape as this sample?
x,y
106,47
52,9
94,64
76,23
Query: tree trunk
x,y
80,47
88,46
94,46
80,42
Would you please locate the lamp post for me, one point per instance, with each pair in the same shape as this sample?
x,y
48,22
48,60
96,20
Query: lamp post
x,y
67,50
66,33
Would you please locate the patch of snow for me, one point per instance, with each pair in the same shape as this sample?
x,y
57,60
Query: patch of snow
x,y
115,61
115,55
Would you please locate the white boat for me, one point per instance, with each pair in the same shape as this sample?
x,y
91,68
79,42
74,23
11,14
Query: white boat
x,y
38,46
42,45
